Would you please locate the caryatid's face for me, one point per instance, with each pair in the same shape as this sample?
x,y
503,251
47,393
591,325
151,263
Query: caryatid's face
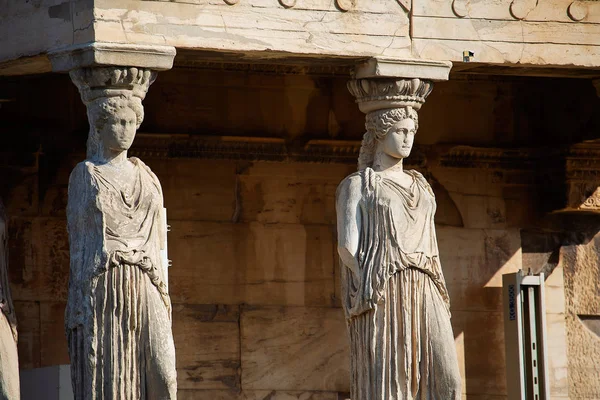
x,y
398,142
119,130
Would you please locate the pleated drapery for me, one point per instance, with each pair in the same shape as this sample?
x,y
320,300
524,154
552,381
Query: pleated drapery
x,y
118,317
397,307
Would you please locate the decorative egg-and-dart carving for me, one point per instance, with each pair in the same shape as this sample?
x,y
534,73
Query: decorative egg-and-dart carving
x,y
577,10
346,5
520,8
460,8
287,3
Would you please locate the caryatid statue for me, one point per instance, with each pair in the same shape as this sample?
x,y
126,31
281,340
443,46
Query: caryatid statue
x,y
118,317
9,360
393,291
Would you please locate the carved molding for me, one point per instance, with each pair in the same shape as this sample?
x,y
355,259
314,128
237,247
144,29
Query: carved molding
x,y
149,145
577,10
346,5
491,158
287,3
519,9
460,8
244,148
574,171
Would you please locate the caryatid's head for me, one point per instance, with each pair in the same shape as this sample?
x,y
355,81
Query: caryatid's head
x,y
391,131
113,123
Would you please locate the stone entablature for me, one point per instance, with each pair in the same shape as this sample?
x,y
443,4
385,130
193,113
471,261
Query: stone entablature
x,y
520,32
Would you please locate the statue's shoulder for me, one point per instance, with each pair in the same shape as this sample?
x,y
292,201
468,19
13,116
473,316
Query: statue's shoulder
x,y
421,180
82,173
141,165
353,186
83,184
350,183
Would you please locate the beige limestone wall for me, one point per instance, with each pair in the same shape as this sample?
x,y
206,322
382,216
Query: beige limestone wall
x,y
254,280
255,284
581,265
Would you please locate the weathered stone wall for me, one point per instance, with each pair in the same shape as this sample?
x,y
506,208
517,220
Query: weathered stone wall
x,y
255,284
254,279
29,29
582,289
557,33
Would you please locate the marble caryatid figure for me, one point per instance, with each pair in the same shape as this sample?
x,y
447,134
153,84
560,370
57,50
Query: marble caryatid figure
x,y
9,360
118,317
394,294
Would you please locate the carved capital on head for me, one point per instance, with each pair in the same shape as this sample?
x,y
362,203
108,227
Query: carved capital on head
x,y
378,94
112,95
381,83
390,92
98,82
113,79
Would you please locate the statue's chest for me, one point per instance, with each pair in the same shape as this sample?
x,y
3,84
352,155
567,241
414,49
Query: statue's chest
x,y
404,209
127,204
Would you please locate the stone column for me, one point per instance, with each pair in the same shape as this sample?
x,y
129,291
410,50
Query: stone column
x,y
9,360
393,290
118,316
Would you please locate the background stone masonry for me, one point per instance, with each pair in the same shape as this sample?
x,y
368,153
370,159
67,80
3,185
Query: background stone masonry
x,y
254,280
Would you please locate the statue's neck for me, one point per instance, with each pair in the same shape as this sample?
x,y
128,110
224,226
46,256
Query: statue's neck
x,y
110,157
387,164
115,158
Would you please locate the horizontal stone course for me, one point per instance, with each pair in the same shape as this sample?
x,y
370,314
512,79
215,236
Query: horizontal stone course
x,y
256,395
276,264
292,348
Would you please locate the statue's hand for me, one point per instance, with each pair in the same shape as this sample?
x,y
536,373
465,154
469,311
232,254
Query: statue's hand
x,y
349,260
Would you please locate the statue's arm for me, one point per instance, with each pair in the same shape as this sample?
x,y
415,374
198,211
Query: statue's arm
x,y
78,216
348,221
84,240
162,226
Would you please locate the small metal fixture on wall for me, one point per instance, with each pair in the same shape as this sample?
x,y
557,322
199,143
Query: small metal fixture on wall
x,y
467,55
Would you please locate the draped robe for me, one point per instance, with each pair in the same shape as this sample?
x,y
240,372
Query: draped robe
x,y
397,307
9,362
118,317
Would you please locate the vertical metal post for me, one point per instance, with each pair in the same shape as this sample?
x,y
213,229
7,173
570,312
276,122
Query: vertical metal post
x,y
525,337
